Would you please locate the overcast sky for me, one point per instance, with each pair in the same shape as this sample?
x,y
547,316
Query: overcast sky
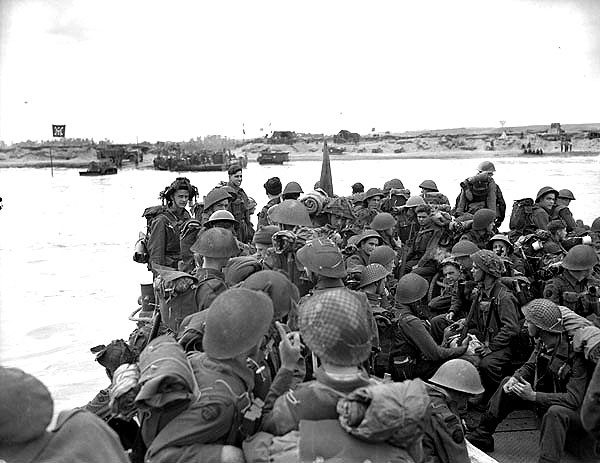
x,y
174,70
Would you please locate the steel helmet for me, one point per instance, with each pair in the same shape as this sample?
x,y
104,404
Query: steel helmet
x,y
414,201
580,257
393,184
292,187
340,207
334,324
450,261
544,314
566,194
411,288
323,257
264,234
596,225
283,293
486,166
463,248
544,191
215,196
290,212
489,262
428,185
371,193
366,234
236,321
217,243
239,268
382,255
383,221
221,216
372,273
499,237
483,218
459,375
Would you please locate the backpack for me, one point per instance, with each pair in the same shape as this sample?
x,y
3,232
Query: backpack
x,y
476,187
140,253
521,216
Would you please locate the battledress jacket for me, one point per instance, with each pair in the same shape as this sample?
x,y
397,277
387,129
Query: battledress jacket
x,y
163,242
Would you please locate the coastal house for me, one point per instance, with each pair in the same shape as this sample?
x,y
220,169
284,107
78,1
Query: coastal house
x,y
555,128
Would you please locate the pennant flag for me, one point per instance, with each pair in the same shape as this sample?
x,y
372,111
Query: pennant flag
x,y
58,130
326,181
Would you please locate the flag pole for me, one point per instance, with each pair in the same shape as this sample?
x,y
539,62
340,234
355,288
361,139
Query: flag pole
x,y
51,163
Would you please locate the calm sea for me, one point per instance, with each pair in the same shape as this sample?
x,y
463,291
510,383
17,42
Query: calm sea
x,y
67,278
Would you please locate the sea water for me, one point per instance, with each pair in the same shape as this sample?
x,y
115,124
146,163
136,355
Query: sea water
x,y
67,278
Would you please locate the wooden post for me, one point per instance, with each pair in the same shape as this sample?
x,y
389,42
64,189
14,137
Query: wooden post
x,y
51,163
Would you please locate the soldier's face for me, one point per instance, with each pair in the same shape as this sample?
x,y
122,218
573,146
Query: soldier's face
x,y
261,249
531,329
547,201
181,198
478,274
236,179
221,205
336,221
422,217
500,248
451,274
373,203
369,245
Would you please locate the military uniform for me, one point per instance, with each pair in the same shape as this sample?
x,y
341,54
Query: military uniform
x,y
357,259
365,216
263,219
540,217
478,237
479,193
163,243
238,206
576,295
211,283
444,439
563,213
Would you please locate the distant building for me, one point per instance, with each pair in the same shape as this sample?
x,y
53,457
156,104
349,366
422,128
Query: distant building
x,y
283,137
555,128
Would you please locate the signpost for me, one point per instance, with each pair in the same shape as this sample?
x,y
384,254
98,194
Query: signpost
x,y
58,131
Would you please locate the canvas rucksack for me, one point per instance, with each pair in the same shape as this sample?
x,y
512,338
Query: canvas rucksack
x,y
140,253
521,216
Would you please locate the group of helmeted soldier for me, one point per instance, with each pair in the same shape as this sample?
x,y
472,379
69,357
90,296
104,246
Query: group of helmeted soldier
x,y
378,326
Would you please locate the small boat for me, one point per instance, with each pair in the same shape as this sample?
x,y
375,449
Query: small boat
x,y
268,156
99,168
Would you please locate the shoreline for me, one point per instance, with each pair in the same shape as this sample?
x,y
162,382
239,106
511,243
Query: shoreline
x,y
82,163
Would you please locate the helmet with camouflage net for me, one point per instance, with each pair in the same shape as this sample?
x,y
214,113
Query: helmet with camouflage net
x,y
566,194
499,237
221,216
411,288
486,166
483,218
414,201
544,314
180,183
291,188
428,185
372,273
290,212
371,193
216,243
596,225
323,257
215,196
464,248
459,375
340,207
238,314
334,324
393,184
278,287
580,257
544,191
383,221
382,255
489,262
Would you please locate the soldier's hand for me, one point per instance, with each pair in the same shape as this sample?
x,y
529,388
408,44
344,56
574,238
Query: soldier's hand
x,y
524,390
450,316
289,348
398,242
508,386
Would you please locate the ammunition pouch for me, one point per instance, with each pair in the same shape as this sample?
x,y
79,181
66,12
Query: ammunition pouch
x,y
570,297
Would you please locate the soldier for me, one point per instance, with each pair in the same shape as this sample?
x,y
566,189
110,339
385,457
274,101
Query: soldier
x,y
561,210
26,409
415,354
358,192
216,200
384,224
480,192
493,318
323,264
421,258
395,196
449,388
576,288
372,283
262,239
366,243
482,228
292,190
501,245
590,409
163,242
442,301
273,189
554,379
386,256
371,207
407,223
239,205
210,417
340,217
432,196
544,202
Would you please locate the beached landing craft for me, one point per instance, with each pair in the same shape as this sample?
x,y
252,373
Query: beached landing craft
x,y
99,168
268,156
198,161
